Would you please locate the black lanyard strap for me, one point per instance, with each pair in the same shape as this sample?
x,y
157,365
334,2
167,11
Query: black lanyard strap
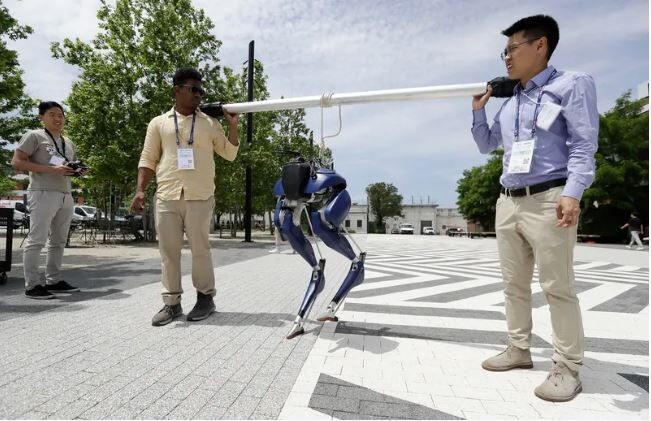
x,y
176,126
63,144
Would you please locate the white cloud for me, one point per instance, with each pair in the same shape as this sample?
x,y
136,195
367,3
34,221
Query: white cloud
x,y
343,46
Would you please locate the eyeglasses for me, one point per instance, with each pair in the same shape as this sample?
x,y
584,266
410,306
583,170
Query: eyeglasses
x,y
508,51
195,89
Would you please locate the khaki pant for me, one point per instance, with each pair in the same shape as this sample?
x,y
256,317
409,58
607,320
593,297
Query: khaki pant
x,y
50,213
527,235
173,217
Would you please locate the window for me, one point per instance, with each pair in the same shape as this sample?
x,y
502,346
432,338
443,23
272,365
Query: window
x,y
78,211
359,223
347,223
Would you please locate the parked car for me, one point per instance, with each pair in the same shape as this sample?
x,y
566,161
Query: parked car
x,y
406,229
455,232
429,231
395,231
21,213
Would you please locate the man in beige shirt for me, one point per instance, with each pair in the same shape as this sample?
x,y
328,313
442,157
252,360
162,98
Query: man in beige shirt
x,y
179,148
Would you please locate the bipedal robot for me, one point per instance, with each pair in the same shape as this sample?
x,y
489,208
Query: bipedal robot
x,y
313,188
320,193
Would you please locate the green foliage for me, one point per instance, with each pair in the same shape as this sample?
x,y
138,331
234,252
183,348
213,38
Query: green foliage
x,y
479,189
622,175
385,202
15,106
125,80
16,114
621,179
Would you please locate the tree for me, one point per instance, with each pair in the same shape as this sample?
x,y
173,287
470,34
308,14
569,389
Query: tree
x,y
478,190
384,201
622,175
125,81
16,114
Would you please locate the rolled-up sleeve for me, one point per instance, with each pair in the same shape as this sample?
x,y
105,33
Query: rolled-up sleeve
x,y
221,145
582,119
487,139
151,150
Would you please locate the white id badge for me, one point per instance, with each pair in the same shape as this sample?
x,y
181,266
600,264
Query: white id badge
x,y
186,158
521,156
548,115
57,160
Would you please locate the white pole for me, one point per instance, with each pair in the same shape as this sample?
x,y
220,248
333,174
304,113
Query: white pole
x,y
328,100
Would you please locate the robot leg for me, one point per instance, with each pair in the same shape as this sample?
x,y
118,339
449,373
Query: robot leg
x,y
297,240
336,241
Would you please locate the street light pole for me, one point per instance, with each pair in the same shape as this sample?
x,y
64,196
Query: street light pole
x,y
249,140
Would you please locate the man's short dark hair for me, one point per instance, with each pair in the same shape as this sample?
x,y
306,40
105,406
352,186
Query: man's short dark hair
x,y
183,75
46,105
535,27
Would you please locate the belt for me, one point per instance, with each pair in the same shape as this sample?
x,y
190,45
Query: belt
x,y
536,188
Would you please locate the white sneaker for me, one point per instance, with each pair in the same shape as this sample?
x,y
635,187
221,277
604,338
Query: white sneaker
x,y
640,248
274,250
628,247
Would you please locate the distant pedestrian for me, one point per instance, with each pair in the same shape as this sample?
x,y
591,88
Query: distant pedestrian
x,y
635,228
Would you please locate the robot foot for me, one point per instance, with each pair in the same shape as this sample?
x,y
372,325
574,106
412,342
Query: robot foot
x,y
329,314
297,330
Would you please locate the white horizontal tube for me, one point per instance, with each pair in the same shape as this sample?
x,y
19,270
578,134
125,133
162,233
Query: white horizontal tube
x,y
428,92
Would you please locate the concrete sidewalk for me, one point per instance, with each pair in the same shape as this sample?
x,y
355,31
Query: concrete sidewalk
x,y
408,345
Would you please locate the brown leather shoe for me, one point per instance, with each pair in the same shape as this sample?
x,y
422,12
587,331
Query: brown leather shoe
x,y
511,357
562,384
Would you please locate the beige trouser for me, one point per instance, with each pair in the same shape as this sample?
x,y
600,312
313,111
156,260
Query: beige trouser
x,y
50,213
173,217
527,234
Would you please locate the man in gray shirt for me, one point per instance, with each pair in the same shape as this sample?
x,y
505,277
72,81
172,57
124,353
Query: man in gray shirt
x,y
45,153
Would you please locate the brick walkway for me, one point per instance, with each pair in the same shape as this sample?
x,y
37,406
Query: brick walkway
x,y
408,345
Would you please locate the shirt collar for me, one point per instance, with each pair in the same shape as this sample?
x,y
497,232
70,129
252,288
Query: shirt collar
x,y
537,81
200,113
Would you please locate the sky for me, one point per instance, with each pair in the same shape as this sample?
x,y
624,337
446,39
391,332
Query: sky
x,y
316,47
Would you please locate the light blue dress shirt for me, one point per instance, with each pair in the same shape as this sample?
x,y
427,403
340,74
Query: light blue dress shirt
x,y
566,150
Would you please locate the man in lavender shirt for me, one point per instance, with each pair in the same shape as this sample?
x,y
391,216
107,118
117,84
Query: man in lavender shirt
x,y
548,130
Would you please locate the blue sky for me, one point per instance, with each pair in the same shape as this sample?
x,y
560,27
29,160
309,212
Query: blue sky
x,y
312,47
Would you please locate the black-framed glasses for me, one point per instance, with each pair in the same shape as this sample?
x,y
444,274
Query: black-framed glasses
x,y
509,50
195,89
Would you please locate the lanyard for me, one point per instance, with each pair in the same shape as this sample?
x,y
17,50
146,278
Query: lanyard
x,y
176,125
63,144
535,111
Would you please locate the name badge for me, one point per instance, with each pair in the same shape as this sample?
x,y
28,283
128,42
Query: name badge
x,y
521,156
548,115
185,158
57,160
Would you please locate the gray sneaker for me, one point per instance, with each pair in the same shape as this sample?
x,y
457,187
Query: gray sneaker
x,y
511,357
166,314
202,309
561,385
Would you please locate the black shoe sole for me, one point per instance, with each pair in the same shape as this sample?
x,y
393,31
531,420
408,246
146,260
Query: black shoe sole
x,y
168,321
62,291
46,297
199,318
